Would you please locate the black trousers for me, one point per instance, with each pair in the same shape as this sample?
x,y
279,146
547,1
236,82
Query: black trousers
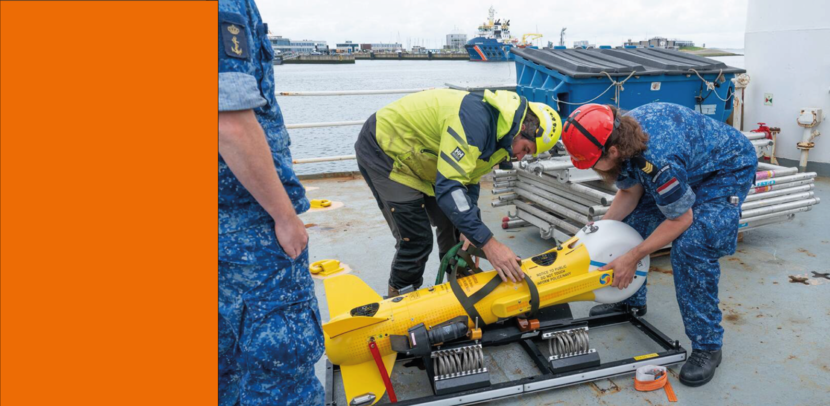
x,y
410,215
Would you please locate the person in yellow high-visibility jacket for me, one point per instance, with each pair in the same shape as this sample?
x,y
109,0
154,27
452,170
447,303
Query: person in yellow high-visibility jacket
x,y
423,156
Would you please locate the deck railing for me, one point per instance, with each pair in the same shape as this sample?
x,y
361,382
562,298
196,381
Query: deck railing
x,y
339,123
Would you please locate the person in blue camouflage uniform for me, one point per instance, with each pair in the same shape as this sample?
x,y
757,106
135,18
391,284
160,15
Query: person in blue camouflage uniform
x,y
698,167
269,323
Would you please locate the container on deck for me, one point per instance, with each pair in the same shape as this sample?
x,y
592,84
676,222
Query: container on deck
x,y
567,78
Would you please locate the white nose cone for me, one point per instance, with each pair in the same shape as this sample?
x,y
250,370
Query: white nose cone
x,y
606,240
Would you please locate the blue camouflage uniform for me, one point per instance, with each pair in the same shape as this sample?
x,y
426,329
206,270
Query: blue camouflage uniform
x,y
269,323
692,161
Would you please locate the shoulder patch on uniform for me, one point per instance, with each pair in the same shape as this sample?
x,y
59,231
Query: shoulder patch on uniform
x,y
234,39
457,153
668,187
644,165
660,172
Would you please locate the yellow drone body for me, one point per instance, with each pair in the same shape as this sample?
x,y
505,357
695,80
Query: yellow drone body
x,y
561,275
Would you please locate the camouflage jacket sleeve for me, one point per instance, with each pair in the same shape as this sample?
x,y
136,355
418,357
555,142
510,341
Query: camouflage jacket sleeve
x,y
238,87
666,180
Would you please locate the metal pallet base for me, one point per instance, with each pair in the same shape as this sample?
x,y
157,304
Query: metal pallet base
x,y
551,319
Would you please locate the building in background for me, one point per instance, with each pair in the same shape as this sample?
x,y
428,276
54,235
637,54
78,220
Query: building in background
x,y
365,47
456,41
584,44
394,47
306,46
347,47
659,42
280,44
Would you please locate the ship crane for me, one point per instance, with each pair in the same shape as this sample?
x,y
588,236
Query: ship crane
x,y
527,39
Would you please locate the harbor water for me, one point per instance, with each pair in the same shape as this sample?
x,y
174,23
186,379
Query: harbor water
x,y
369,75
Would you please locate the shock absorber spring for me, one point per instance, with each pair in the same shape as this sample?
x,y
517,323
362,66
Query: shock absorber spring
x,y
567,343
458,362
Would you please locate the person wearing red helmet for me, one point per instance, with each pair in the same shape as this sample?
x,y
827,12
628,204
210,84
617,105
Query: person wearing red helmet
x,y
681,179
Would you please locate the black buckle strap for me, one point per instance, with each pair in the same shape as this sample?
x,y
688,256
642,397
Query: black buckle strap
x,y
534,296
469,302
467,256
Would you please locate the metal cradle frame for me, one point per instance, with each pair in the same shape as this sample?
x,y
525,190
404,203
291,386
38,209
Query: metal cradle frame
x,y
552,319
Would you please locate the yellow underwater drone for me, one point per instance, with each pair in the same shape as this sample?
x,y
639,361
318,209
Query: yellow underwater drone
x,y
362,322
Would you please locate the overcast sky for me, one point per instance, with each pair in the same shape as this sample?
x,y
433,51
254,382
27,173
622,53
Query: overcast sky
x,y
717,23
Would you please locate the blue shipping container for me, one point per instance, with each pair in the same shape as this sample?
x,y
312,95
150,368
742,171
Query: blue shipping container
x,y
567,78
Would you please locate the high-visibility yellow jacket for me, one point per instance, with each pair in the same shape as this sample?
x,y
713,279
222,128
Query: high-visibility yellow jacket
x,y
443,141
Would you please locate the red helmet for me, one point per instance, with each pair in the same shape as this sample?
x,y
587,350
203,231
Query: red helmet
x,y
585,132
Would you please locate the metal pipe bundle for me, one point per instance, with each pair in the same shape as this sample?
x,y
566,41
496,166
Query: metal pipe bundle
x,y
776,196
771,218
584,191
779,207
550,219
539,183
576,207
776,200
784,179
549,204
775,193
553,207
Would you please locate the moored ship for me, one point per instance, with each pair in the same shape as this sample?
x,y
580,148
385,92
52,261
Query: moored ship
x,y
493,42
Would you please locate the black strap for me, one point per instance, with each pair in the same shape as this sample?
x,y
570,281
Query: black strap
x,y
467,256
585,132
534,295
468,302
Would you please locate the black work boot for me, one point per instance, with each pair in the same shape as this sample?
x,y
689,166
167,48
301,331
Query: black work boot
x,y
700,367
603,309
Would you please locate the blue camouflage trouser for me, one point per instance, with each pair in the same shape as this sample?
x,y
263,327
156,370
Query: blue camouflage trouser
x,y
269,325
695,253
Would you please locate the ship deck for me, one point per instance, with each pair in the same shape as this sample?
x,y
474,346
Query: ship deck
x,y
776,349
